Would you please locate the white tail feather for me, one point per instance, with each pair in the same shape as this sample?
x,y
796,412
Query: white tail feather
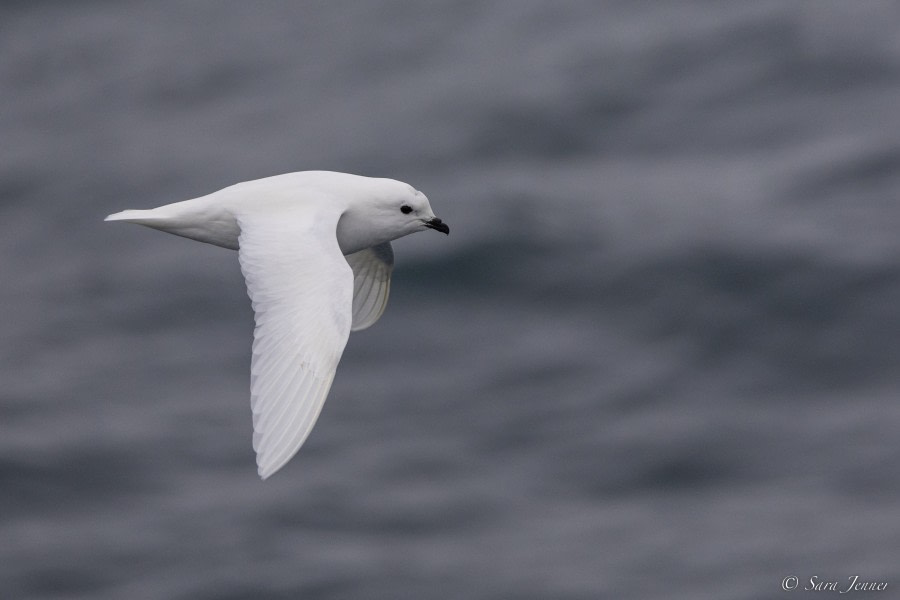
x,y
133,216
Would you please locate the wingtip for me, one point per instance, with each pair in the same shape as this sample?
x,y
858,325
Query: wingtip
x,y
264,471
267,469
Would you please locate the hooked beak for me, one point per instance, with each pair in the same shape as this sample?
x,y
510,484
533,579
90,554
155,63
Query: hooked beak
x,y
437,225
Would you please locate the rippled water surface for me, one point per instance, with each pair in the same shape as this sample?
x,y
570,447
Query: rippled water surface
x,y
656,358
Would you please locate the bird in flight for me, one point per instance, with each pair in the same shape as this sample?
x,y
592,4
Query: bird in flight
x,y
315,251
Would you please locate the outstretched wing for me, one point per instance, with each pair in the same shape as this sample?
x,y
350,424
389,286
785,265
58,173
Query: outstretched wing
x,y
301,289
371,283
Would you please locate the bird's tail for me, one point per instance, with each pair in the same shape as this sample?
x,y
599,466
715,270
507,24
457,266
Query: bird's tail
x,y
144,217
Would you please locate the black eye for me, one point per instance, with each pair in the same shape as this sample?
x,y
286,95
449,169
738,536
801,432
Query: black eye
x,y
405,209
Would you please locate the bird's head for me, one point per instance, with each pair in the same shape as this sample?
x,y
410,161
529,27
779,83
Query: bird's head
x,y
386,210
412,210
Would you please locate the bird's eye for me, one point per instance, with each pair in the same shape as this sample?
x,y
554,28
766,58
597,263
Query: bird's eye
x,y
405,209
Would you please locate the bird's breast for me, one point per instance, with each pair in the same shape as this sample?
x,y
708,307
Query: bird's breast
x,y
355,234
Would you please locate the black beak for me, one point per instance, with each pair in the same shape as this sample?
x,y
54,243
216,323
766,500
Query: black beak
x,y
438,225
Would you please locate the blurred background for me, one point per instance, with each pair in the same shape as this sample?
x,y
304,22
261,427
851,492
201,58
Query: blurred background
x,y
657,357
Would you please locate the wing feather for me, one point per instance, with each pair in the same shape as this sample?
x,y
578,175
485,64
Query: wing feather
x,y
372,269
301,289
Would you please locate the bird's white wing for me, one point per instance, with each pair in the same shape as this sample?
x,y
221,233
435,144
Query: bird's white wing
x,y
301,289
371,283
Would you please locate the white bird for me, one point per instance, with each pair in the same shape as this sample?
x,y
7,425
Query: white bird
x,y
315,251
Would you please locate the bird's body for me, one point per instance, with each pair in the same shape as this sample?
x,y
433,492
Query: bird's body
x,y
315,251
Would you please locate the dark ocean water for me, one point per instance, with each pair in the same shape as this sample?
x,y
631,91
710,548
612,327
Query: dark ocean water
x,y
658,357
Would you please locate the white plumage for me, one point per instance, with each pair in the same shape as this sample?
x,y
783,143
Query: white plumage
x,y
314,248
